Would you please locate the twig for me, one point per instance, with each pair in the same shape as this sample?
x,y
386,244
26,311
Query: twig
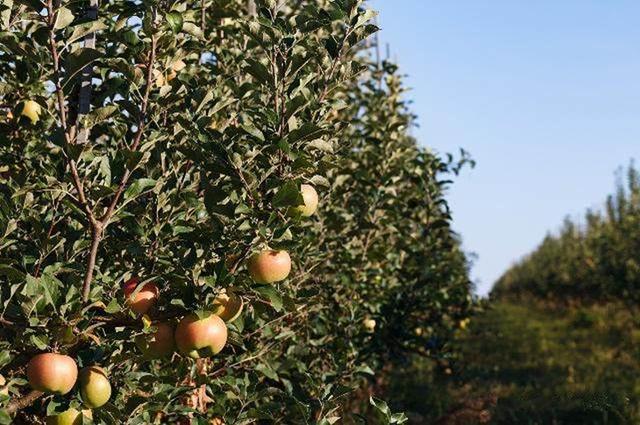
x,y
62,112
138,136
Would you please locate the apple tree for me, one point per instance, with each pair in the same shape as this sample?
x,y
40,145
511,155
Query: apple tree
x,y
159,162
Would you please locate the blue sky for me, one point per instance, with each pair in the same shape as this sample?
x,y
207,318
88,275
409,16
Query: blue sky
x,y
546,97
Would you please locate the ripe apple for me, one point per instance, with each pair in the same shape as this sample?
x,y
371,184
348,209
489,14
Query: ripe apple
x,y
228,306
198,338
159,344
68,417
310,198
31,110
4,388
52,373
369,325
146,297
94,387
269,266
178,65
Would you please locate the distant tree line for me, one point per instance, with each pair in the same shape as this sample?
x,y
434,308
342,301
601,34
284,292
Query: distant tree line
x,y
597,260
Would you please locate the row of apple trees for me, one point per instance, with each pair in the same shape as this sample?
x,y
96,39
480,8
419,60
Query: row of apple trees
x,y
590,261
161,256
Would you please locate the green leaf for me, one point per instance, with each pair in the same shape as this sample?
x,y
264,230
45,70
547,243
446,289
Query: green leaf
x,y
267,371
288,196
174,19
252,130
272,295
381,406
83,30
5,358
99,115
320,181
77,60
138,186
259,71
5,419
113,307
307,131
40,341
64,17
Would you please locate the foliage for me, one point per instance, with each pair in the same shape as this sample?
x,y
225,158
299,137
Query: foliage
x,y
597,261
530,362
547,364
172,150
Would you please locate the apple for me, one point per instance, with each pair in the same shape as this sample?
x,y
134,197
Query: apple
x,y
144,299
228,306
310,198
369,325
4,388
196,337
269,266
68,417
158,344
94,387
178,65
52,373
31,110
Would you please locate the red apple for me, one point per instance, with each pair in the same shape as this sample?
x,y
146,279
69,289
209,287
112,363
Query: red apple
x,y
269,266
198,338
144,299
52,373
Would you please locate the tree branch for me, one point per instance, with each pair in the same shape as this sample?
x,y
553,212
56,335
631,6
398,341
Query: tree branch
x,y
98,226
23,402
96,237
84,97
62,112
138,137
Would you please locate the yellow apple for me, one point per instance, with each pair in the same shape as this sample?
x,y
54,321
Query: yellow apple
x,y
94,387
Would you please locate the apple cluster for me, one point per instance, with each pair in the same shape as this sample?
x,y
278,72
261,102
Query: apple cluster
x,y
197,335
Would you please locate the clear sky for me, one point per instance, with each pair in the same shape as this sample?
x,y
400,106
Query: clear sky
x,y
545,95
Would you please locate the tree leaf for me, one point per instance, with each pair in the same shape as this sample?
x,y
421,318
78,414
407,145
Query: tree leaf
x,y
77,60
64,17
289,195
175,21
138,186
259,71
